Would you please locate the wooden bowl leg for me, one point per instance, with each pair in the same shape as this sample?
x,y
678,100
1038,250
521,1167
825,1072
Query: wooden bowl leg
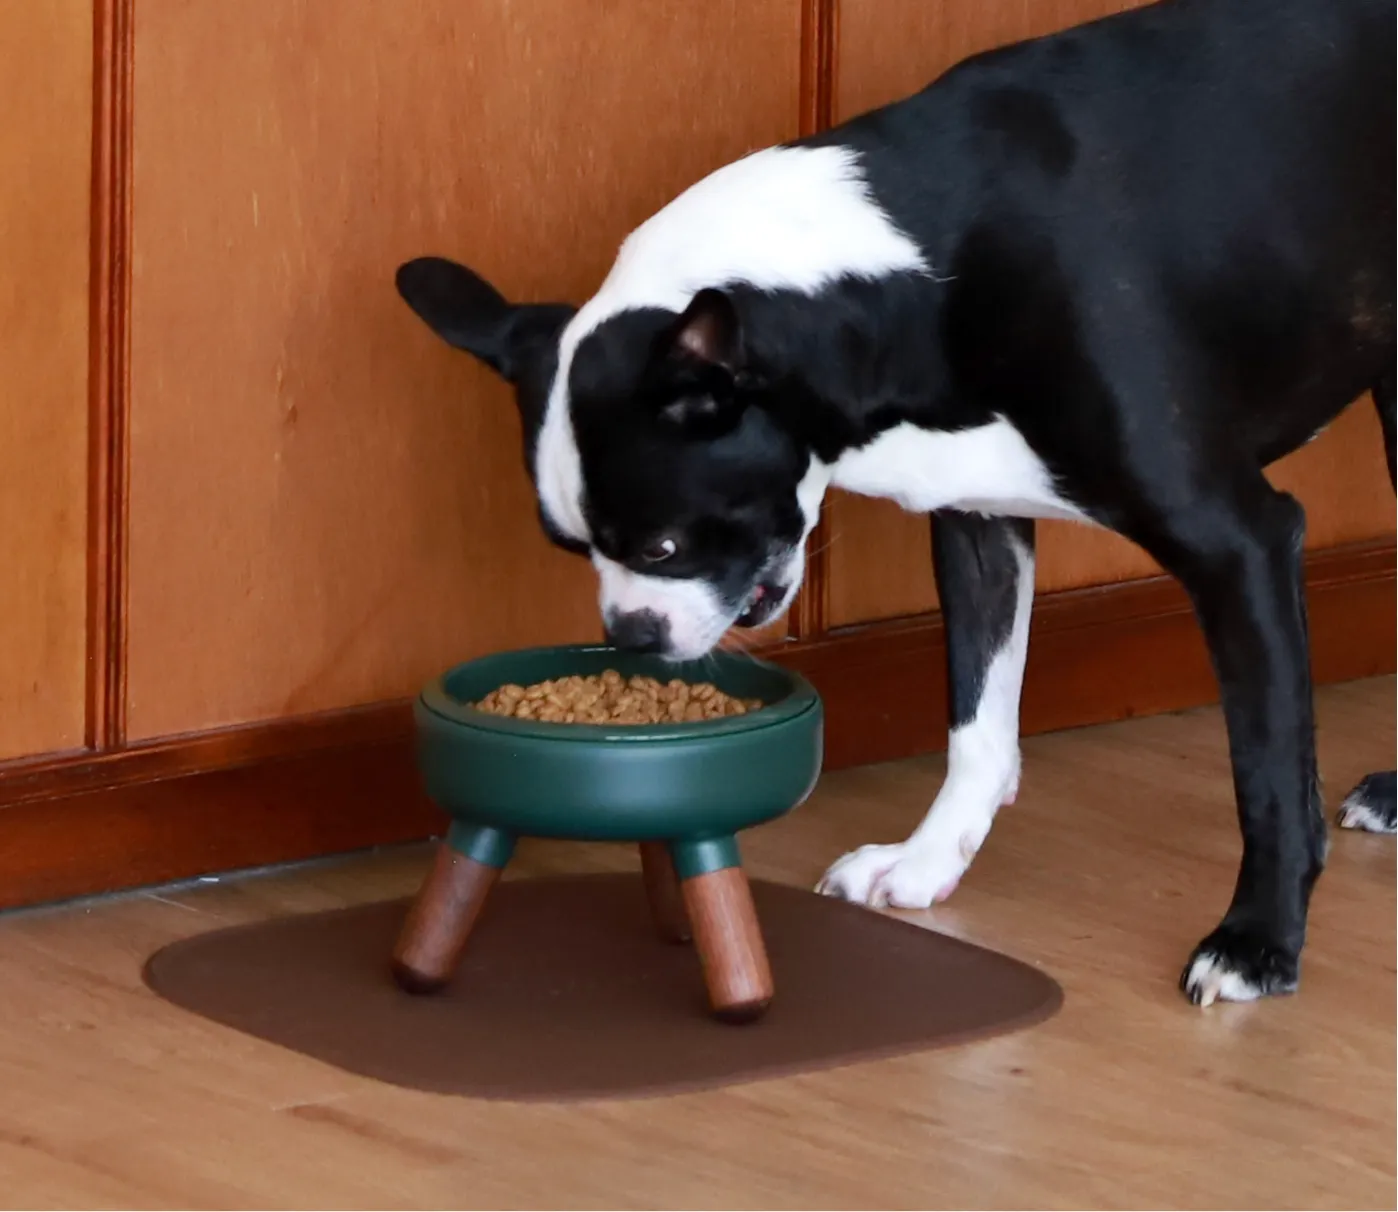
x,y
729,942
445,911
663,891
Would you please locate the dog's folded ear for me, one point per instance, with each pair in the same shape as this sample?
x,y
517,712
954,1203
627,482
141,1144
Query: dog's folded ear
x,y
468,313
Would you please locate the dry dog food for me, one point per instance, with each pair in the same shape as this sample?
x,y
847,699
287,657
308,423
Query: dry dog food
x,y
610,698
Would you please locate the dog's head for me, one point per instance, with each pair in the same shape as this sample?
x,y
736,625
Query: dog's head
x,y
648,452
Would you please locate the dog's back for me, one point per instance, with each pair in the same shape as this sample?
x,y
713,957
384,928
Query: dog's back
x,y
1225,168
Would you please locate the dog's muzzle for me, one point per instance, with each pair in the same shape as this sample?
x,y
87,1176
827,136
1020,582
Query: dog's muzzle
x,y
638,631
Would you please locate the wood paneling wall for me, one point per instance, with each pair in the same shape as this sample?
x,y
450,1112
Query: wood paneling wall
x,y
878,562
890,48
293,504
328,505
45,184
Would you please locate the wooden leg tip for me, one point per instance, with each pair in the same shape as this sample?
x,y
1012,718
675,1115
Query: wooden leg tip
x,y
743,1012
663,891
420,984
440,921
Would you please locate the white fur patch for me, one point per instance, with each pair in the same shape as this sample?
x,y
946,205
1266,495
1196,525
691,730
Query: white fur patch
x,y
1358,813
787,218
810,492
1211,979
694,611
982,774
558,471
989,469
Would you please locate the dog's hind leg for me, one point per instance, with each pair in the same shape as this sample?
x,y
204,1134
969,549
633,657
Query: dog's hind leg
x,y
1238,552
985,579
1371,805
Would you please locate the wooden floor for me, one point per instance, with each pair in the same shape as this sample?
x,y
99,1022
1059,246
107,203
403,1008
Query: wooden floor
x,y
1119,855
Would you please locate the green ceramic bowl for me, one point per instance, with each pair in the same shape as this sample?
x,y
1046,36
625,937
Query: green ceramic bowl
x,y
697,783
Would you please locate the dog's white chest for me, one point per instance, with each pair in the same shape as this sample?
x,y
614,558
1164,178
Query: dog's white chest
x,y
989,469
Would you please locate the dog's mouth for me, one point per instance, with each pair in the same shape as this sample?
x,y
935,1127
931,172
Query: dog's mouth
x,y
762,605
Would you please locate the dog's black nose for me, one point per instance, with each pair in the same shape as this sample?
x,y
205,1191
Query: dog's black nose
x,y
640,631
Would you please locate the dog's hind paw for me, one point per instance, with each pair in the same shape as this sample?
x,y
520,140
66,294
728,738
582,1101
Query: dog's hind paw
x,y
1238,965
1370,806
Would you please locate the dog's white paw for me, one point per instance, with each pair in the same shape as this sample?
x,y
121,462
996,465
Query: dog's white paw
x,y
1235,964
1211,978
1356,814
1370,806
901,876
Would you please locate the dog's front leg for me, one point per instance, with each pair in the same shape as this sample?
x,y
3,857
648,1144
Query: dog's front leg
x,y
1242,565
985,579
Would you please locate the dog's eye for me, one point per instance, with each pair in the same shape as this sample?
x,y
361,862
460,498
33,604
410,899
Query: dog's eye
x,y
660,550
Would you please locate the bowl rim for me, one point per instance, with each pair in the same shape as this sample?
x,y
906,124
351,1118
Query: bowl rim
x,y
435,700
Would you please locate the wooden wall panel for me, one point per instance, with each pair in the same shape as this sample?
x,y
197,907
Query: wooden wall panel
x,y
889,48
326,504
878,563
45,168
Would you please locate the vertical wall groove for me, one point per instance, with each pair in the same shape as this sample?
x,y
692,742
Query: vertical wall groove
x,y
109,383
819,40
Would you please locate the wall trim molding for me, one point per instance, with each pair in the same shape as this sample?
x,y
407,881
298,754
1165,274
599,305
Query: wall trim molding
x,y
109,368
1104,653
89,822
820,44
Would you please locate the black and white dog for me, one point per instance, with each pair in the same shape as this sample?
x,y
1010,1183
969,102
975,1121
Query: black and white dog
x,y
1108,275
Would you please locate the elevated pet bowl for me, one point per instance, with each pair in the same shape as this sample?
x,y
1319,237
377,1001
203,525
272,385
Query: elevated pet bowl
x,y
682,791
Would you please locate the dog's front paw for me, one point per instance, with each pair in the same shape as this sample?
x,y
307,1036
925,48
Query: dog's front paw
x,y
898,877
1235,964
1371,806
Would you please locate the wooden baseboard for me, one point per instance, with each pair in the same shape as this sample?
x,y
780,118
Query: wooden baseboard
x,y
84,823
1095,655
130,834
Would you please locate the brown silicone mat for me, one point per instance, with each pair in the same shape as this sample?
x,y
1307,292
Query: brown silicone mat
x,y
565,993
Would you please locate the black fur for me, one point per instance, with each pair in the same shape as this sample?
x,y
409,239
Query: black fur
x,y
1164,250
730,510
978,578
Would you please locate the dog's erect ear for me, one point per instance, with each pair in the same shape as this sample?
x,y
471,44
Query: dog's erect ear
x,y
701,357
709,331
467,312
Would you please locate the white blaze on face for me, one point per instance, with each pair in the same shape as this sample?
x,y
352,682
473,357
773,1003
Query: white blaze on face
x,y
696,616
787,218
558,470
